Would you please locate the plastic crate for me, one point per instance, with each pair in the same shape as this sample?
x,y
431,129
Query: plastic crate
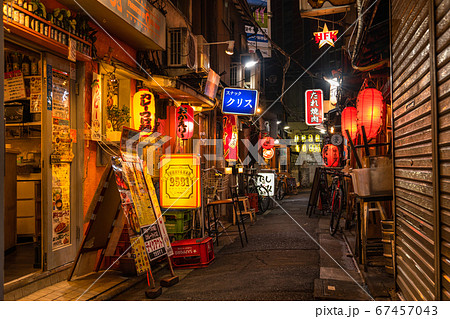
x,y
179,236
177,222
193,253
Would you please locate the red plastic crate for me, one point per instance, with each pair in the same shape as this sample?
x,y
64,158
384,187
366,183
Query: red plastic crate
x,y
193,253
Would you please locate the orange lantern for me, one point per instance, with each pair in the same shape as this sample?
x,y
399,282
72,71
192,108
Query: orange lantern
x,y
330,155
348,122
370,108
268,142
185,121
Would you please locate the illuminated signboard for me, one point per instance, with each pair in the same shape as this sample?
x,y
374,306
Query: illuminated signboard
x,y
239,101
314,107
179,180
143,110
326,37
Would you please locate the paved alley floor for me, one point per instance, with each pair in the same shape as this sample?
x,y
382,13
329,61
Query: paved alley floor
x,y
280,262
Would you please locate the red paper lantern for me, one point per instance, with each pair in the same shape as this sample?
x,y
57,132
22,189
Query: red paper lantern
x,y
185,121
370,107
348,122
330,155
268,142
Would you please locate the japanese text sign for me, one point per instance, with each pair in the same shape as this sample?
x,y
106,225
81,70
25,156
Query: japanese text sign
x,y
314,107
239,101
144,110
179,180
268,181
185,121
230,138
96,120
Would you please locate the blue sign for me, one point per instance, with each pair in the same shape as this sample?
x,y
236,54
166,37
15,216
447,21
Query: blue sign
x,y
239,101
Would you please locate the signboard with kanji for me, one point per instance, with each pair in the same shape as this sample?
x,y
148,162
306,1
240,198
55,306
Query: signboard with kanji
x,y
179,180
239,101
326,36
314,107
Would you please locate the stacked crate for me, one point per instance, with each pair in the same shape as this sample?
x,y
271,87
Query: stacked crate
x,y
178,224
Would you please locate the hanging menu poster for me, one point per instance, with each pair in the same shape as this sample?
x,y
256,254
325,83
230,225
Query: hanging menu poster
x,y
60,205
61,139
14,86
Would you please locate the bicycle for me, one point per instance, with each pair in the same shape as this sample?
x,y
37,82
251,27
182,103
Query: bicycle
x,y
252,187
281,186
338,199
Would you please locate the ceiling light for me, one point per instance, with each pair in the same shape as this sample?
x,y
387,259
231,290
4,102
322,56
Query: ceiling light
x,y
333,81
250,64
286,127
278,122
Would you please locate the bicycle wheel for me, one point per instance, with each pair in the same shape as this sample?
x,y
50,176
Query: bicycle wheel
x,y
336,210
281,190
263,199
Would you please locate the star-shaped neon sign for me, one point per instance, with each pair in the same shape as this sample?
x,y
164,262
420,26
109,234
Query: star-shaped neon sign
x,y
326,36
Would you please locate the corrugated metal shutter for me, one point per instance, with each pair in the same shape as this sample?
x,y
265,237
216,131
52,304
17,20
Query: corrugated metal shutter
x,y
442,18
415,256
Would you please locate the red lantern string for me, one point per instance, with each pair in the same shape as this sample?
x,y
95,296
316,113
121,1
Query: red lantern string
x,y
348,122
369,106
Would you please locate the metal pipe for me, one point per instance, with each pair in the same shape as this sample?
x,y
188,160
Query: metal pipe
x,y
2,164
435,152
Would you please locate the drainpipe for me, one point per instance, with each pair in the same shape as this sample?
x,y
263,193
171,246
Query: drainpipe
x,y
2,165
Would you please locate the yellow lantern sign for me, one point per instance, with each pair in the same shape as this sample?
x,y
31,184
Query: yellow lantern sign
x,y
179,181
144,111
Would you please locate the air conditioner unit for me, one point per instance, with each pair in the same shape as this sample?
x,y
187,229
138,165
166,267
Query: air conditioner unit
x,y
182,49
203,62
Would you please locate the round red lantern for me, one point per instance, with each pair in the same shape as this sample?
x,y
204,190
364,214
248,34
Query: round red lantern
x,y
348,122
268,142
185,121
330,155
268,153
370,107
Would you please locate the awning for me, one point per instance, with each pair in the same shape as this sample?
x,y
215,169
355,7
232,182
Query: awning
x,y
172,88
138,24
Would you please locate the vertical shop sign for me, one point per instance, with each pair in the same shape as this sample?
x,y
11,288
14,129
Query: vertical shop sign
x,y
260,10
314,107
96,122
61,205
230,138
72,55
179,180
49,87
144,110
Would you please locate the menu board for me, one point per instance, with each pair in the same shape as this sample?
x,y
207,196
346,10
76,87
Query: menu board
x,y
139,254
35,94
61,138
14,86
60,205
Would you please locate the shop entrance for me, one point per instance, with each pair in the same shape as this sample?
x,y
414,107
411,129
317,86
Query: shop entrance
x,y
42,165
23,138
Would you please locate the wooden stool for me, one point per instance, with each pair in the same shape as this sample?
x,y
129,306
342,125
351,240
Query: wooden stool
x,y
247,210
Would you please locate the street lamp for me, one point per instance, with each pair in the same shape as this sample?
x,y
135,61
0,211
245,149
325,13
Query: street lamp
x,y
250,64
230,48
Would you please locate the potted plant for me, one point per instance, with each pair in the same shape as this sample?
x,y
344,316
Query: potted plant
x,y
117,117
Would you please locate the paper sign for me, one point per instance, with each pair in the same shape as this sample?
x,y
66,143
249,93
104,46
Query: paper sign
x,y
14,86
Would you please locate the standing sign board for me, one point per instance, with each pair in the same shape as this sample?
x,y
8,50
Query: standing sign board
x,y
239,101
180,181
268,181
147,231
314,107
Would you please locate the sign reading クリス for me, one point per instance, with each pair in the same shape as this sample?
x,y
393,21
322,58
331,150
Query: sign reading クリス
x,y
239,101
314,107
